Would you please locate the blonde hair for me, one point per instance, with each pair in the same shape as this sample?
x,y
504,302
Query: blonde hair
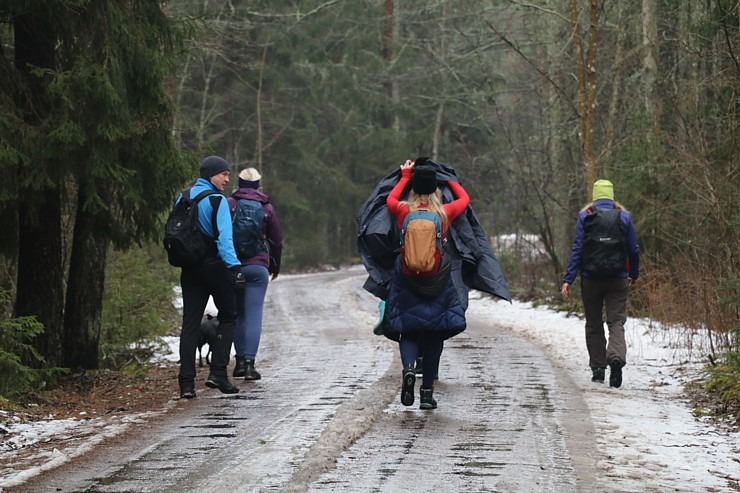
x,y
434,201
617,205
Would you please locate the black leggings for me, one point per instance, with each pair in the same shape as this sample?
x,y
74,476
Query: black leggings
x,y
431,346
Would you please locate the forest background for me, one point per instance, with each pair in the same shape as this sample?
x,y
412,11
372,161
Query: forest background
x,y
108,106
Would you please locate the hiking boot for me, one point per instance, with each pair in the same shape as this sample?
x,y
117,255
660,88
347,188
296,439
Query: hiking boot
x,y
221,383
615,375
407,387
419,368
249,372
427,399
187,391
598,375
240,368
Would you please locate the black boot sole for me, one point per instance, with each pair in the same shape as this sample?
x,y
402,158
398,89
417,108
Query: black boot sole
x,y
427,402
428,405
224,387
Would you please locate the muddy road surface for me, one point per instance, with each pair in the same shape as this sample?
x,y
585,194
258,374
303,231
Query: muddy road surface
x,y
326,416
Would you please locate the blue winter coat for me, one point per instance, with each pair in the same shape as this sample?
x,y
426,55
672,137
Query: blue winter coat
x,y
407,312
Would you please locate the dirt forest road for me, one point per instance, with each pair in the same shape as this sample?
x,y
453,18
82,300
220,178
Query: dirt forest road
x,y
326,417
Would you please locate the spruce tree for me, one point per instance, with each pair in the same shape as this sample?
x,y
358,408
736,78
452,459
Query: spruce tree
x,y
93,152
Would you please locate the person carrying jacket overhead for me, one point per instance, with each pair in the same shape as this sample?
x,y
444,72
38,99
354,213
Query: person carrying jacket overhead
x,y
606,253
218,275
258,268
423,309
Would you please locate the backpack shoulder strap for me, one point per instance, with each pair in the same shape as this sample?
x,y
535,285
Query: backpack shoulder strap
x,y
215,202
214,207
202,194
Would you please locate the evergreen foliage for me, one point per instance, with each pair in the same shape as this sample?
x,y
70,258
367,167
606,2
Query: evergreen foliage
x,y
138,301
89,153
16,354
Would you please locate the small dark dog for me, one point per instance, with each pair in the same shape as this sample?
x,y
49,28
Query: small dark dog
x,y
207,335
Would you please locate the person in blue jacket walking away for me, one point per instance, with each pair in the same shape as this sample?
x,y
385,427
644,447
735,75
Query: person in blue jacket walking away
x,y
218,275
606,253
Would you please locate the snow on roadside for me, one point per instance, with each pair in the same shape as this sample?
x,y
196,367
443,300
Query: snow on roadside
x,y
73,436
646,432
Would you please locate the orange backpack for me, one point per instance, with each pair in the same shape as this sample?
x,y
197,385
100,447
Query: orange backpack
x,y
421,239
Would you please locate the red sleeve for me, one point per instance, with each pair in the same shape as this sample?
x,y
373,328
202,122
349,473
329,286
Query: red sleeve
x,y
394,198
457,206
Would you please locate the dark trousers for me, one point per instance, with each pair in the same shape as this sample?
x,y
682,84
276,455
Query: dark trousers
x,y
431,345
608,295
211,278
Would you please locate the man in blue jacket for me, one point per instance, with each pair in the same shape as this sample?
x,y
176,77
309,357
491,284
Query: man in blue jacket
x,y
606,253
218,275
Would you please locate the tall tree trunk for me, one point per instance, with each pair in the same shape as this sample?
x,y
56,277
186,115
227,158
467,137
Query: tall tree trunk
x,y
586,74
258,110
560,190
650,64
387,51
615,99
84,305
40,288
439,119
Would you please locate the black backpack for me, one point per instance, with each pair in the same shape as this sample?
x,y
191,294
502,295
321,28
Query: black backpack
x,y
604,252
249,239
186,245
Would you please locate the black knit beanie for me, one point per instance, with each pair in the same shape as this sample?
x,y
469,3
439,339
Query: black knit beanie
x,y
213,165
424,179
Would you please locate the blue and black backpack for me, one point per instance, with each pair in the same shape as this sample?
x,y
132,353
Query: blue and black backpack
x,y
249,236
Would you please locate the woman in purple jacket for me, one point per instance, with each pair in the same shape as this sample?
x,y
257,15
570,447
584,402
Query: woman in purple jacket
x,y
257,268
606,253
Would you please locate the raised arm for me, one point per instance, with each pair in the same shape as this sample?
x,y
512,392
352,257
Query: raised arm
x,y
394,198
461,202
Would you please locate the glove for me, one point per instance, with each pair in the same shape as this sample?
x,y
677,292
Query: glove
x,y
239,281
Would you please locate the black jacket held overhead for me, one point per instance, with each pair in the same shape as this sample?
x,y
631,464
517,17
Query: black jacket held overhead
x,y
474,265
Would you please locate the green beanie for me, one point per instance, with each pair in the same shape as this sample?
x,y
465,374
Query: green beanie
x,y
603,189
